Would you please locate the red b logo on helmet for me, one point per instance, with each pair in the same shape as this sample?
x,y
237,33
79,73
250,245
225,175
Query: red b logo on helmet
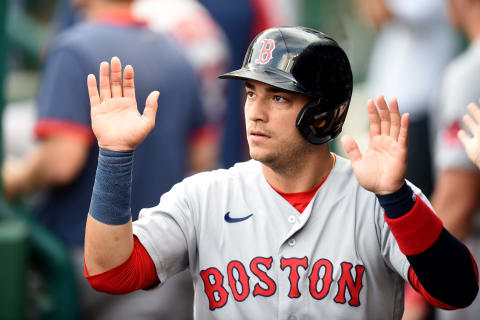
x,y
266,52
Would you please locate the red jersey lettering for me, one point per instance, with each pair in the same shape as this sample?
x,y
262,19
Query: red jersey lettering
x,y
346,281
262,276
326,279
242,280
215,287
294,264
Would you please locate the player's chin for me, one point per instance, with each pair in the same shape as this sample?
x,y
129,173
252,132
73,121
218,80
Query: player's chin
x,y
260,154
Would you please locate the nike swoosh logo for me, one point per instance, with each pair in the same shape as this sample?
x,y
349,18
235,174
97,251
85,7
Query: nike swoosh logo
x,y
233,220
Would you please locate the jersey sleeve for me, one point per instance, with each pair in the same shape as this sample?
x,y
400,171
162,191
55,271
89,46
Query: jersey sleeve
x,y
167,232
63,104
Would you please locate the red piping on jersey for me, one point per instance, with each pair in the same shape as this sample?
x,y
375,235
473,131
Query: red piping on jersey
x,y
409,229
412,277
138,272
47,127
300,200
122,17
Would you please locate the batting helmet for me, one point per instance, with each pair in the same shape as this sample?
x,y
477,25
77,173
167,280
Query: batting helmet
x,y
308,62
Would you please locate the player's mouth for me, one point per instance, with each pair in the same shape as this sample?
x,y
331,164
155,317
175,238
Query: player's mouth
x,y
258,135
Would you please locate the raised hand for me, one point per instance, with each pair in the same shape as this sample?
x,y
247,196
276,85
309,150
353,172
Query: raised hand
x,y
472,144
116,122
383,167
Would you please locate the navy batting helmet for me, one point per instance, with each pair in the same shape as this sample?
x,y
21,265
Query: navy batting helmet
x,y
308,62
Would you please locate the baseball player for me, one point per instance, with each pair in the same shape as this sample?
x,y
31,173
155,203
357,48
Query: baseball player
x,y
294,233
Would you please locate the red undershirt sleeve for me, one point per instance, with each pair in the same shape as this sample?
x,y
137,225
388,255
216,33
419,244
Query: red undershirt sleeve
x,y
442,268
137,272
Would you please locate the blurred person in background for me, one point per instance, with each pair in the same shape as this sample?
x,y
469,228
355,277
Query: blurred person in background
x,y
456,195
240,20
413,46
204,44
61,167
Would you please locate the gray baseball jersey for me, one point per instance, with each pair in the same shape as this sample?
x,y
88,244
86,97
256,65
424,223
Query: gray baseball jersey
x,y
253,255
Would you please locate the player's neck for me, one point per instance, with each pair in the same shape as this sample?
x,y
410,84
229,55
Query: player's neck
x,y
309,172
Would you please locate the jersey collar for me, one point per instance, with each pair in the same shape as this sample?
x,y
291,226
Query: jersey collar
x,y
121,17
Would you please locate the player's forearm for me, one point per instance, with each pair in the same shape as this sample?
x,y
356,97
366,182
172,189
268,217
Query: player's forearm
x,y
456,200
108,236
457,215
106,246
53,162
431,251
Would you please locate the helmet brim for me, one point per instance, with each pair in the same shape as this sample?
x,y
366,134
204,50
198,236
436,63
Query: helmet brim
x,y
265,76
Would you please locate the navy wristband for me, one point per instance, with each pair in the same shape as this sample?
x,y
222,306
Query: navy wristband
x,y
398,203
110,203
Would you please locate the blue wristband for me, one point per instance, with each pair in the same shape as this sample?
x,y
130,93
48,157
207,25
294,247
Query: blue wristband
x,y
112,190
398,203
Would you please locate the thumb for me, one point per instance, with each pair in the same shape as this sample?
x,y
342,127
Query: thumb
x,y
351,148
151,106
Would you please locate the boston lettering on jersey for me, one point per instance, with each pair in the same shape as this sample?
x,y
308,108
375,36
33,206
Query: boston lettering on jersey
x,y
321,276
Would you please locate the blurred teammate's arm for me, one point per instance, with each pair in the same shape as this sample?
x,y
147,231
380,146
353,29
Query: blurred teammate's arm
x,y
455,199
374,12
54,161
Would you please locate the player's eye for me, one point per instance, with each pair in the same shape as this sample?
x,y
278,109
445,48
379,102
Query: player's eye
x,y
250,94
280,99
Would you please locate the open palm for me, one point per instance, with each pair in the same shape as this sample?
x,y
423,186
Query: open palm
x,y
472,144
383,167
116,122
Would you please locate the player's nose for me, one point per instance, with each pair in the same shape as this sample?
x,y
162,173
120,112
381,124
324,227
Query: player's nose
x,y
256,110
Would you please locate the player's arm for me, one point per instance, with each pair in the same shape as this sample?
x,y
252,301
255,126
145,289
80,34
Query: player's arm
x,y
431,250
119,128
455,199
54,161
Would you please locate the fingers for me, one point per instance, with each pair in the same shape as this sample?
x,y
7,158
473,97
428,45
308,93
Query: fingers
x,y
403,135
472,119
463,137
151,106
384,120
470,123
105,92
351,148
474,111
93,90
116,77
128,83
384,114
111,85
394,118
373,118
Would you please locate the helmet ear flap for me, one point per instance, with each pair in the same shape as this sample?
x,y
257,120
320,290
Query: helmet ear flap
x,y
319,127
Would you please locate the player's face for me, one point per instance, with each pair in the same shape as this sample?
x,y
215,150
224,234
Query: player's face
x,y
270,115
